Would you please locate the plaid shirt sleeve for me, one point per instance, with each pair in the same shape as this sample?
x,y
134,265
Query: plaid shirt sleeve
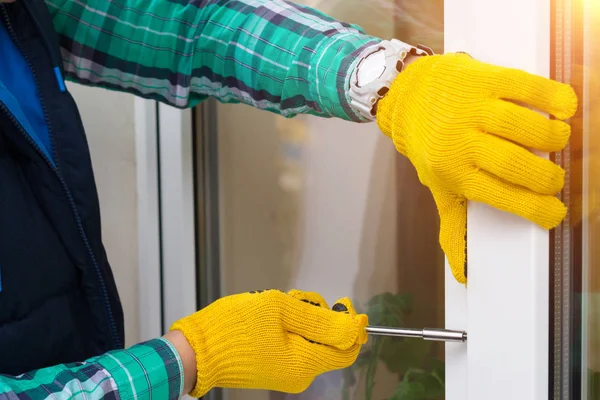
x,y
271,54
145,371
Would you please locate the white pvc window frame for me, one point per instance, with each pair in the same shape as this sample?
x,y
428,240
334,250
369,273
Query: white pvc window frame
x,y
148,207
178,233
166,221
505,308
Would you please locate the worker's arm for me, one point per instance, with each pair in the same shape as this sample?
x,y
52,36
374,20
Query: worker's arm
x,y
271,54
259,340
460,121
149,370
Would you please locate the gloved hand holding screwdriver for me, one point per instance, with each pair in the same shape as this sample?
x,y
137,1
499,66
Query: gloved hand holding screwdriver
x,y
269,340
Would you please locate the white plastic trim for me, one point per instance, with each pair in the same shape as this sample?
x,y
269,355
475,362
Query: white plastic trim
x,y
146,131
177,205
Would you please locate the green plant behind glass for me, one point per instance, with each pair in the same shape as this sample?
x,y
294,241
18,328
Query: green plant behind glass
x,y
420,374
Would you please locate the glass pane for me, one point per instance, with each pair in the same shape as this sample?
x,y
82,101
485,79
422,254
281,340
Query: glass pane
x,y
575,354
329,206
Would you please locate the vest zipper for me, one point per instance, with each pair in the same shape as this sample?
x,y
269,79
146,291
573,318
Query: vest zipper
x,y
116,341
55,60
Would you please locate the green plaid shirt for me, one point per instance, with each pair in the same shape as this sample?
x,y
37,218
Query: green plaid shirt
x,y
271,54
150,370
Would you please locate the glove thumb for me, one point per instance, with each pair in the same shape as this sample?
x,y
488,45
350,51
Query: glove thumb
x,y
453,229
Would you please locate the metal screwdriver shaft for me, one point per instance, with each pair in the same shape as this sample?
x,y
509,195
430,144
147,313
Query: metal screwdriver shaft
x,y
442,335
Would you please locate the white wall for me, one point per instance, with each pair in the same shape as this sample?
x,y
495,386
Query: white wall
x,y
109,121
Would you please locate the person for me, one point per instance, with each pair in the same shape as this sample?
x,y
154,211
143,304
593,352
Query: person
x,y
461,122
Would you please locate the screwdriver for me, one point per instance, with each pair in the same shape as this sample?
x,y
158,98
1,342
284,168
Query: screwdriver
x,y
441,335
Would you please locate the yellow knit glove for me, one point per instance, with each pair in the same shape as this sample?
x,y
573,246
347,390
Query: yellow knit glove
x,y
271,340
459,122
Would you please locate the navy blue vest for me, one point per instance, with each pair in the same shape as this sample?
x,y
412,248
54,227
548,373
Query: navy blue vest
x,y
58,302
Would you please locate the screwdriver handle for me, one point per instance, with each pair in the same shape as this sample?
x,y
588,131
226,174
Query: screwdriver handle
x,y
443,335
